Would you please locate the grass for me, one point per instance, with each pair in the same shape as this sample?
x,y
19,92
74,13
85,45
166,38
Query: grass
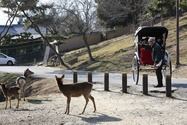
x,y
111,57
8,77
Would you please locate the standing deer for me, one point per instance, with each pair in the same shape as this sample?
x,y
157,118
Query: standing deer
x,y
9,92
22,81
75,90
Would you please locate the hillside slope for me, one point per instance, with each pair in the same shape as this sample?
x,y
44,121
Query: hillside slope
x,y
115,55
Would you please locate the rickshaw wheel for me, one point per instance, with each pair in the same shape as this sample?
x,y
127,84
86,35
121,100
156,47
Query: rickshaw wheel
x,y
168,68
135,70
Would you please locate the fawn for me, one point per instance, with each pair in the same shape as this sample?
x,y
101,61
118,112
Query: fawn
x,y
22,80
75,90
9,92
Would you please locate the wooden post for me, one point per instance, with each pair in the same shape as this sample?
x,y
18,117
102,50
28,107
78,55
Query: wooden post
x,y
89,76
124,82
168,86
145,84
74,77
106,82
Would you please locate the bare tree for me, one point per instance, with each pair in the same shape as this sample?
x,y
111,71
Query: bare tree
x,y
79,18
34,14
12,13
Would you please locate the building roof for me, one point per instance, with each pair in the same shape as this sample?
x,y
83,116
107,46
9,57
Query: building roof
x,y
11,30
17,29
20,29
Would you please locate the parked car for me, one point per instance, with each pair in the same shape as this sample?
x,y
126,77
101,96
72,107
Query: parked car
x,y
4,59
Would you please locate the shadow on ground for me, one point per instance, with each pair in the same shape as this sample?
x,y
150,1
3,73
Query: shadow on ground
x,y
36,101
99,117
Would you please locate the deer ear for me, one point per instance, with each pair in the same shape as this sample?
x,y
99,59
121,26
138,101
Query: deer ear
x,y
62,76
55,77
5,83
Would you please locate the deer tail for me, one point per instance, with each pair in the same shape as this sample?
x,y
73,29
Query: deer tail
x,y
19,91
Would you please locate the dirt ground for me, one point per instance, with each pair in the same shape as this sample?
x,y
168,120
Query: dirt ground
x,y
45,105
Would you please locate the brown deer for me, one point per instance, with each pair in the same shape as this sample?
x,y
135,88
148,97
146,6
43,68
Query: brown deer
x,y
75,90
22,81
9,92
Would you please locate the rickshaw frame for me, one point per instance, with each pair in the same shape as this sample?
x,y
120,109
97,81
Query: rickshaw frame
x,y
149,31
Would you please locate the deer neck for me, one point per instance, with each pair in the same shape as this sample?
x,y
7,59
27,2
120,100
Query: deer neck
x,y
26,75
4,89
60,84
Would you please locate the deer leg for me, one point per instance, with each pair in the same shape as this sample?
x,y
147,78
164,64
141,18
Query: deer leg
x,y
92,98
6,102
68,103
18,101
21,87
87,100
24,92
10,101
20,95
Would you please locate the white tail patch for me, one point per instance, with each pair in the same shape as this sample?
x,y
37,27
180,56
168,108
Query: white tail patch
x,y
19,91
22,82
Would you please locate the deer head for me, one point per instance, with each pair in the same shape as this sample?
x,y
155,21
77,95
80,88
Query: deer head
x,y
27,73
59,79
1,84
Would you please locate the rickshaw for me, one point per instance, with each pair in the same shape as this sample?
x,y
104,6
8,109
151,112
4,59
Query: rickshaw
x,y
143,57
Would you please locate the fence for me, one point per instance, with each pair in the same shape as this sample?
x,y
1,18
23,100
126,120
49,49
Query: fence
x,y
124,83
23,49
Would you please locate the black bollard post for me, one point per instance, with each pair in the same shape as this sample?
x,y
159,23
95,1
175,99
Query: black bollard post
x,y
106,82
168,86
124,82
74,77
89,76
145,84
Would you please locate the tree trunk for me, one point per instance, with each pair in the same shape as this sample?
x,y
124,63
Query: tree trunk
x,y
152,21
45,39
162,20
57,54
170,11
88,47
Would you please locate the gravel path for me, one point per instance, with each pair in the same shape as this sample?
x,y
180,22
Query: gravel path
x,y
113,107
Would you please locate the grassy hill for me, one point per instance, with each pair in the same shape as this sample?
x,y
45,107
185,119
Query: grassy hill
x,y
116,55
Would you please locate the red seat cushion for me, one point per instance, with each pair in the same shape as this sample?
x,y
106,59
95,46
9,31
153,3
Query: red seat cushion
x,y
163,51
146,57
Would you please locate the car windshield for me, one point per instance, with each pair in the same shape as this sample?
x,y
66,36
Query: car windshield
x,y
2,56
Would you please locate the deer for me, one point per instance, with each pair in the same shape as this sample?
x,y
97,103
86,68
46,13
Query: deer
x,y
22,81
9,92
75,90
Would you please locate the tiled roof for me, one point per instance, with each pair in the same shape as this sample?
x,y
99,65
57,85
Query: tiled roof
x,y
17,29
11,30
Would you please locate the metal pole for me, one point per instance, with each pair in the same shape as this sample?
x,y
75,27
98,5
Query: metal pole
x,y
177,33
168,86
106,82
74,77
124,82
145,84
34,61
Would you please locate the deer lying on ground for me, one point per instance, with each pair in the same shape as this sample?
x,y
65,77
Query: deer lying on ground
x,y
22,81
75,90
9,92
